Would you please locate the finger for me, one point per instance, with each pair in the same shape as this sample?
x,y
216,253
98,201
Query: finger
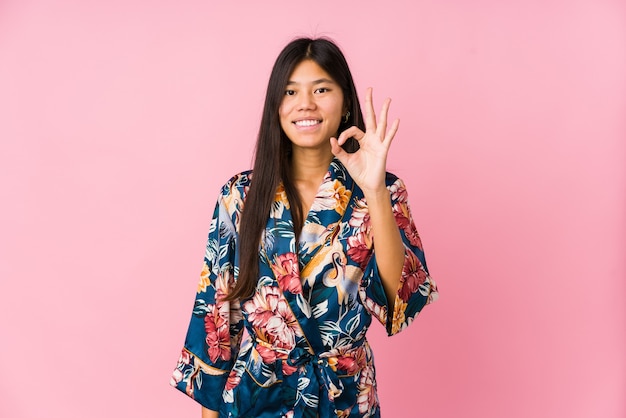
x,y
391,133
351,132
370,115
336,149
382,118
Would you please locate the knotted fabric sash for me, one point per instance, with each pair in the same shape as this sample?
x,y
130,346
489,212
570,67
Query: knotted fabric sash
x,y
315,384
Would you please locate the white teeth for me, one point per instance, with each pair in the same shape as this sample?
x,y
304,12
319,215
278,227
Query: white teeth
x,y
307,122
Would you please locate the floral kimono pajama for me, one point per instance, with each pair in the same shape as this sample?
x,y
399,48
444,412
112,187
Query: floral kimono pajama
x,y
297,347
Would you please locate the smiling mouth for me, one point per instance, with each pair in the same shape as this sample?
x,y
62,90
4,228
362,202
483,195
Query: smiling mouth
x,y
307,122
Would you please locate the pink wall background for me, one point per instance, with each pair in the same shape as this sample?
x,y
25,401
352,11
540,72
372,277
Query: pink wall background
x,y
119,121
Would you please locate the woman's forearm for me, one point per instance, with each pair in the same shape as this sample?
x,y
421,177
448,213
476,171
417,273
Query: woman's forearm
x,y
389,249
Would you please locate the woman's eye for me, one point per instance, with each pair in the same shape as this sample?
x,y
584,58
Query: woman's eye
x,y
289,92
322,90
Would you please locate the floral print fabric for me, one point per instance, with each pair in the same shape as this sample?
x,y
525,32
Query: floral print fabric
x,y
297,347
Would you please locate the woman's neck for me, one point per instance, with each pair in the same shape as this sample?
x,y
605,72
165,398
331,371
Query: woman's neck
x,y
310,165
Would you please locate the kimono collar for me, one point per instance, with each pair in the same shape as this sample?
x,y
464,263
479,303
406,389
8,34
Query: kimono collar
x,y
320,224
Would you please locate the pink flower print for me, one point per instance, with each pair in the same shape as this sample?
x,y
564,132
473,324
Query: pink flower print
x,y
360,218
401,213
398,191
218,336
287,272
413,275
176,378
267,354
359,249
185,357
288,370
413,236
272,319
351,362
233,380
404,221
278,328
360,244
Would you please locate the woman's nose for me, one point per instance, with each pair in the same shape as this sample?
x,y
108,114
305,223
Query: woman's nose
x,y
306,101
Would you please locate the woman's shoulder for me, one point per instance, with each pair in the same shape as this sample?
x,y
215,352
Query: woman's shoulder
x,y
239,183
233,193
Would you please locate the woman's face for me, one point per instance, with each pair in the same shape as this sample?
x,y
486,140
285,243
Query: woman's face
x,y
312,106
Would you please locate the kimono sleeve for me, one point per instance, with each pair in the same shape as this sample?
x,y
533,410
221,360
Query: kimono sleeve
x,y
215,329
416,288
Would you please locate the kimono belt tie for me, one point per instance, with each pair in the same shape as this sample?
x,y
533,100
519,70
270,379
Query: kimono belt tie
x,y
316,368
310,395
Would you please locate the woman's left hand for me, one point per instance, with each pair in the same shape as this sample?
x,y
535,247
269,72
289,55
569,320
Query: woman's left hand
x,y
368,165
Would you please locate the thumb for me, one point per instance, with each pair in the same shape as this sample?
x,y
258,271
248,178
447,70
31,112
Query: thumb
x,y
336,149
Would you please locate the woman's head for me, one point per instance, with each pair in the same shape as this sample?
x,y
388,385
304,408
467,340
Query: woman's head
x,y
330,59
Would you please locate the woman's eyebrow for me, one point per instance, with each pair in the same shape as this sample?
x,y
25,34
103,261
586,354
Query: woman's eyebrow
x,y
315,82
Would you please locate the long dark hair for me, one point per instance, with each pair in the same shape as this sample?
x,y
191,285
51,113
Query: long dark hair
x,y
272,162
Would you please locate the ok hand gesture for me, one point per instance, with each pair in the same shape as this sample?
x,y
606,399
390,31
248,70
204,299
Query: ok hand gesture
x,y
368,165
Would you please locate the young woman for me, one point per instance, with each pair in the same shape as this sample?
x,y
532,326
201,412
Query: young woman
x,y
302,251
